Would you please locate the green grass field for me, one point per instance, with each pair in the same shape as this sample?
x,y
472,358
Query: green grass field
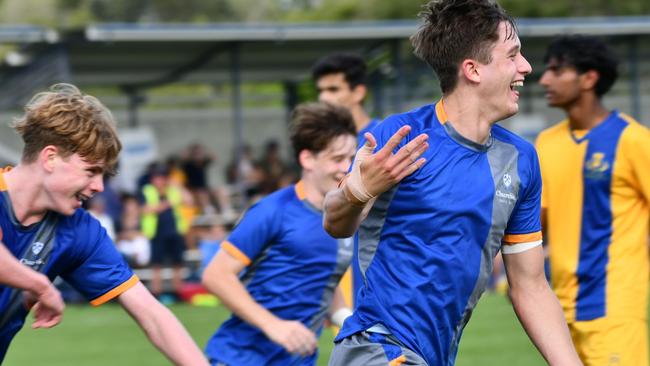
x,y
107,336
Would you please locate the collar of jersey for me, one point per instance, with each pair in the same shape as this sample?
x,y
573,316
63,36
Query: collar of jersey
x,y
579,140
454,135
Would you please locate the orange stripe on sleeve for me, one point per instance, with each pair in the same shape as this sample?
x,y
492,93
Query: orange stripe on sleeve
x,y
110,295
511,239
235,252
397,361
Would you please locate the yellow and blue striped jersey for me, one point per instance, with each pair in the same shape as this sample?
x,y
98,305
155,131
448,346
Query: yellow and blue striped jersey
x,y
596,187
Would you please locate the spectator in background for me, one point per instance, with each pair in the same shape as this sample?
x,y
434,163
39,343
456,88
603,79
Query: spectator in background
x,y
163,224
210,232
273,166
596,189
341,80
195,164
97,208
132,243
244,171
111,198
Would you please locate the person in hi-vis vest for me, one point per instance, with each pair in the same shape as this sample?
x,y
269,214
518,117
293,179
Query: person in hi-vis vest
x,y
163,224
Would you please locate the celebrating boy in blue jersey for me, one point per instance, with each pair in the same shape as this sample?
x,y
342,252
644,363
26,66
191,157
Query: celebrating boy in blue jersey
x,y
70,143
341,80
437,192
278,270
596,170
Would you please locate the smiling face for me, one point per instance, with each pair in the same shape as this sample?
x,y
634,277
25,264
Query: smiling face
x,y
71,181
325,169
504,74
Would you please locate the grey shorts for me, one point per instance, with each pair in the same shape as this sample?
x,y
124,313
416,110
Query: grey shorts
x,y
373,349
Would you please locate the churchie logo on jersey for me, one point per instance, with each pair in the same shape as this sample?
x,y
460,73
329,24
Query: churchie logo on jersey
x,y
596,167
505,191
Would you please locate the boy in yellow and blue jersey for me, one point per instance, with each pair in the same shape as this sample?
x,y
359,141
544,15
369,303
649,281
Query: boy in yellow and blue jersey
x,y
278,269
595,205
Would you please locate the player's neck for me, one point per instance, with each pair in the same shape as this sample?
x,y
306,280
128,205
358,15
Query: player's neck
x,y
586,113
468,120
360,117
311,192
25,194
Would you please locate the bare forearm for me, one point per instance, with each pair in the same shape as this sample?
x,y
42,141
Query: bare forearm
x,y
540,314
161,327
341,218
170,337
235,297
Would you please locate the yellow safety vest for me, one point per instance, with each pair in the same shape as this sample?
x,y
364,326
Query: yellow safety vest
x,y
149,221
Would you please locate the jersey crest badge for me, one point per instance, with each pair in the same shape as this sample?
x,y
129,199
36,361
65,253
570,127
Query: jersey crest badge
x,y
37,247
597,166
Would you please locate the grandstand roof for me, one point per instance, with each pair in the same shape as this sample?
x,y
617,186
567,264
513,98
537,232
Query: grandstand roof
x,y
156,53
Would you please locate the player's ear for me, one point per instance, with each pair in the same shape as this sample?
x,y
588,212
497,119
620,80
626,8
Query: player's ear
x,y
306,159
469,69
589,79
359,92
47,157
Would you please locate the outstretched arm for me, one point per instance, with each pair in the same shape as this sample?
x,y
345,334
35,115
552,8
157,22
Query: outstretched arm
x,y
371,175
537,307
221,278
161,327
49,306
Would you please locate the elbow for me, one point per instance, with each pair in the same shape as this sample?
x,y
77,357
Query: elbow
x,y
336,231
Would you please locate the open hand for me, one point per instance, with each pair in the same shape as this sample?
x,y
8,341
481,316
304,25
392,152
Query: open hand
x,y
374,174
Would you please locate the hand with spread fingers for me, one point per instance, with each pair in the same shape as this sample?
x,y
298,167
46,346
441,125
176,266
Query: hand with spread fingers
x,y
374,174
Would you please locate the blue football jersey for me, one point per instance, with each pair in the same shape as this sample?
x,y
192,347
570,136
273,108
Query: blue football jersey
x,y
82,254
427,245
293,267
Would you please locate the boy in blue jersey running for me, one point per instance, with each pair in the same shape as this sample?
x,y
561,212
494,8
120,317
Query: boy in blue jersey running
x,y
278,270
341,80
436,192
70,143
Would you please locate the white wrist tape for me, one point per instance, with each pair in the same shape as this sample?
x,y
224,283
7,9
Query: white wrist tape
x,y
340,315
354,182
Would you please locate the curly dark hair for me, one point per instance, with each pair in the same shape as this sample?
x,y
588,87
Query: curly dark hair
x,y
352,66
586,53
